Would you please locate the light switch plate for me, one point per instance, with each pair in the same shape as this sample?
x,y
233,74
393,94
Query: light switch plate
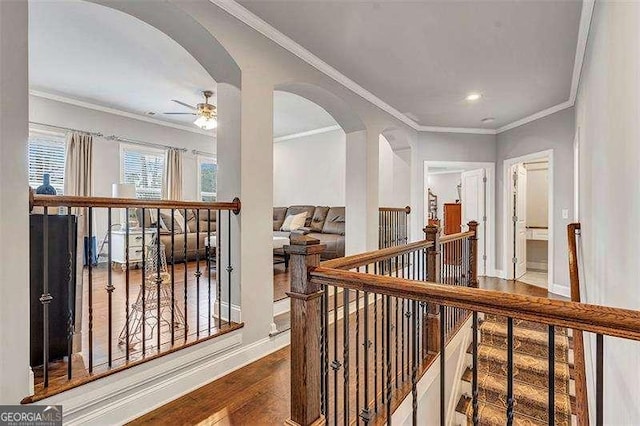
x,y
565,213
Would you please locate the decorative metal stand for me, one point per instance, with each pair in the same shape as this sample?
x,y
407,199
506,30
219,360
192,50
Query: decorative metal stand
x,y
146,309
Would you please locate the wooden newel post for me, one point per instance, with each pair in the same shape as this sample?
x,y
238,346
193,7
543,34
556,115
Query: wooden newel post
x,y
432,233
473,255
432,319
305,295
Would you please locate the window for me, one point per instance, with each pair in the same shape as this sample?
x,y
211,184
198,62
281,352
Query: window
x,y
47,154
143,167
207,178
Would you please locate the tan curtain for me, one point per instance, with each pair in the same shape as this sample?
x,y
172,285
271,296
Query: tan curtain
x,y
78,180
172,187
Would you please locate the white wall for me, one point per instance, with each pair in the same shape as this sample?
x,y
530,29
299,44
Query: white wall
x,y
394,176
310,170
443,185
554,132
609,190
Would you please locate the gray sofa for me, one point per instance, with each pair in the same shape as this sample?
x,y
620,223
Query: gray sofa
x,y
324,223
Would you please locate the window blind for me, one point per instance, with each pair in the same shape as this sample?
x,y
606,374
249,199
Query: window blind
x,y
208,179
47,155
145,169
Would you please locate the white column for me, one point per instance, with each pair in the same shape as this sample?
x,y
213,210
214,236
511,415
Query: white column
x,y
361,230
14,219
256,184
418,214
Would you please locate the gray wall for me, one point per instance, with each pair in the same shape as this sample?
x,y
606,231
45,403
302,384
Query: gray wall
x,y
609,189
554,132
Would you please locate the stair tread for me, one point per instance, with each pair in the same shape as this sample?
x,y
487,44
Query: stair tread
x,y
489,414
527,334
520,360
524,324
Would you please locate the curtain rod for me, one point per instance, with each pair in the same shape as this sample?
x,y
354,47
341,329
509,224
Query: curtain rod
x,y
111,137
203,153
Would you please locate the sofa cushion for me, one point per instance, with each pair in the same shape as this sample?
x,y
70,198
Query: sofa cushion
x,y
319,216
299,209
334,244
334,223
279,213
294,221
178,220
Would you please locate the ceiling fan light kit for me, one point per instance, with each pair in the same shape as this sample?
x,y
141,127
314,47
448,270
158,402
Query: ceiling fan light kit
x,y
206,112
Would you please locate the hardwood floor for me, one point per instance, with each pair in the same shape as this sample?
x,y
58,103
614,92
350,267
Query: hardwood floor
x,y
259,393
280,282
197,302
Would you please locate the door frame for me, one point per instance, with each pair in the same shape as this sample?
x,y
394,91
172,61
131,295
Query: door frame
x,y
490,170
507,226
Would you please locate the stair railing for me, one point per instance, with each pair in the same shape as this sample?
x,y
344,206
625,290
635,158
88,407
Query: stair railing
x,y
393,225
349,363
582,400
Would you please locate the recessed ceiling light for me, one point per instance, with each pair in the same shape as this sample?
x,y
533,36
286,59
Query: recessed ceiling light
x,y
488,120
473,96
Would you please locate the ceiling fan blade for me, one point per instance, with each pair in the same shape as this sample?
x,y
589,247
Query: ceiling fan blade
x,y
184,104
180,113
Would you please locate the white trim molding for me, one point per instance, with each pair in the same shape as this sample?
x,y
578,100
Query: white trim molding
x,y
252,20
109,110
560,289
307,133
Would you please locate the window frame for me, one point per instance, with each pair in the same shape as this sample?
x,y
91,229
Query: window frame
x,y
59,137
143,150
206,159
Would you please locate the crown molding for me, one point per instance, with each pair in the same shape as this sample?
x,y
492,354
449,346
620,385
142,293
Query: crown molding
x,y
108,110
307,133
249,18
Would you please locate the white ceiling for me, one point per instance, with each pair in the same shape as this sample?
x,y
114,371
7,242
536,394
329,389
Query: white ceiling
x,y
423,57
95,54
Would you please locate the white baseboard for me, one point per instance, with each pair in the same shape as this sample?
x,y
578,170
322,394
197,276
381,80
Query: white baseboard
x,y
124,396
559,289
498,273
236,312
281,306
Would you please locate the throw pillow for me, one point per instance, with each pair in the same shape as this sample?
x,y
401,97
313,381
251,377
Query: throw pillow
x,y
293,222
178,221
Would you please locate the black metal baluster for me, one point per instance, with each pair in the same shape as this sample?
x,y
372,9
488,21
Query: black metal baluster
x,y
126,285
173,275
345,353
509,371
387,343
197,274
143,283
325,360
552,375
365,415
599,379
414,364
218,266
70,290
208,251
357,404
109,289
158,281
474,380
90,286
442,366
323,371
375,344
335,364
46,297
229,267
402,319
396,328
186,282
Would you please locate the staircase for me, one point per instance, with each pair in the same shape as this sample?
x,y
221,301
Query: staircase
x,y
530,344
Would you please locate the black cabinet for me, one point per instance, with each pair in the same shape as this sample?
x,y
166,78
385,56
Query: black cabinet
x,y
63,292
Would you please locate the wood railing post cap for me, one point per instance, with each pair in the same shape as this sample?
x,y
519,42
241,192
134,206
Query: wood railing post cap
x,y
303,244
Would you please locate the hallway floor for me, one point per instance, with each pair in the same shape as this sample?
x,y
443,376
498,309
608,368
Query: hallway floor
x,y
259,393
535,277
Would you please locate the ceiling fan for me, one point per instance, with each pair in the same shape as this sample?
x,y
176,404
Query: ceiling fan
x,y
206,113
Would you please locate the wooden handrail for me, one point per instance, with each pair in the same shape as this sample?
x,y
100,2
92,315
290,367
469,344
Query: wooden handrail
x,y
368,258
406,209
616,322
582,401
456,237
106,202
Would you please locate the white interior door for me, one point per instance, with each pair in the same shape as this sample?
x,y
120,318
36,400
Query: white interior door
x,y
520,220
473,201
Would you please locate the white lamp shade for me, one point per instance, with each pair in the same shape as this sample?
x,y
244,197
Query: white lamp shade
x,y
123,190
